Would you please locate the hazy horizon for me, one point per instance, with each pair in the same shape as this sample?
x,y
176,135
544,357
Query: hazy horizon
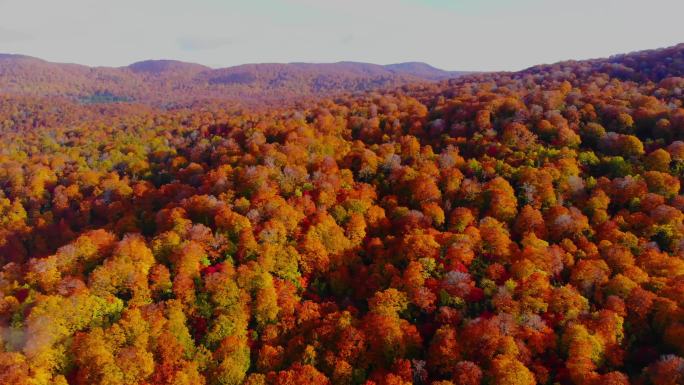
x,y
219,67
460,35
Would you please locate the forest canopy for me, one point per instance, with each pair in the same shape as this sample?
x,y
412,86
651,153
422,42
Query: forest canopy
x,y
497,229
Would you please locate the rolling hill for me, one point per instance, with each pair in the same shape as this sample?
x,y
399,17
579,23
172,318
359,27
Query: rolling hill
x,y
162,82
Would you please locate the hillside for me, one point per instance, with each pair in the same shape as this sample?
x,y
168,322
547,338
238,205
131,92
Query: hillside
x,y
163,82
649,65
422,70
520,228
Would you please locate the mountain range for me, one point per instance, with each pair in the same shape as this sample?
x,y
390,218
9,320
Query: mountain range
x,y
169,81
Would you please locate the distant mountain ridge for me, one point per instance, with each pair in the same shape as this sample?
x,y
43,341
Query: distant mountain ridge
x,y
423,70
159,82
159,66
418,69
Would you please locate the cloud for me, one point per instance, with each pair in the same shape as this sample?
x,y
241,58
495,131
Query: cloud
x,y
196,43
11,36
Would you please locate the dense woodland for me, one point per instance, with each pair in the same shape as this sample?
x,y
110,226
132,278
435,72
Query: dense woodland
x,y
495,229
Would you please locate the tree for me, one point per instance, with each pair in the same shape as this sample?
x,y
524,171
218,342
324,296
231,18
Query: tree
x,y
495,239
125,272
666,371
467,373
115,355
231,361
502,201
509,371
658,160
444,352
323,242
298,375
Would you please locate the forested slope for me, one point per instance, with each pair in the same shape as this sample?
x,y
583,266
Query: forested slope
x,y
497,229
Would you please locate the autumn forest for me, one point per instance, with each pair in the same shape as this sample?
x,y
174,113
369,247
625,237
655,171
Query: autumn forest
x,y
343,225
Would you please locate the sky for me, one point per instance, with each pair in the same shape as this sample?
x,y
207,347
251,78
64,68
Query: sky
x,y
473,35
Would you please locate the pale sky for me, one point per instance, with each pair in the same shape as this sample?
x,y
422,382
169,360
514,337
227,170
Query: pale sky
x,y
450,34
